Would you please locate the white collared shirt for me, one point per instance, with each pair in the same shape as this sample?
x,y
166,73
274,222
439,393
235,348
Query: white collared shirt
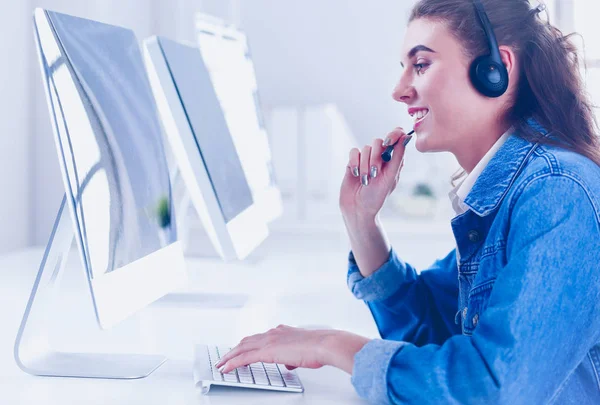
x,y
458,194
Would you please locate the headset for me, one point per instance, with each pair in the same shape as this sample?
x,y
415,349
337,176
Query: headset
x,y
488,74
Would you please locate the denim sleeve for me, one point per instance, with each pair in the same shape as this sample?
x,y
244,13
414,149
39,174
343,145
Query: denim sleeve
x,y
542,318
406,306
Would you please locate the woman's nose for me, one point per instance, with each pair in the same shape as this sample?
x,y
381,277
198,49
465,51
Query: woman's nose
x,y
403,93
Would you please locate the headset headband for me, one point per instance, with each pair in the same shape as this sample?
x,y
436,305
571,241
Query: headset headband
x,y
489,32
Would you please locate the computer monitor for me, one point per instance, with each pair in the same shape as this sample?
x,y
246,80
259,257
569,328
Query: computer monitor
x,y
116,179
209,162
225,52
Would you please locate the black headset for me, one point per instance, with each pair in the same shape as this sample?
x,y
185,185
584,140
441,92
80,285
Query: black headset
x,y
488,74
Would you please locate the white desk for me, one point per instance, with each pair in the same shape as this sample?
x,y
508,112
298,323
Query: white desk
x,y
299,281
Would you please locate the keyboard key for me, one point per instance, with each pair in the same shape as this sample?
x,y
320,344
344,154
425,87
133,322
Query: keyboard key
x,y
290,379
271,372
293,384
275,379
260,381
246,378
277,382
230,378
213,354
258,370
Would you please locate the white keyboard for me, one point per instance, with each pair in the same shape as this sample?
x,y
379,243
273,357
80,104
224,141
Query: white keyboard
x,y
264,376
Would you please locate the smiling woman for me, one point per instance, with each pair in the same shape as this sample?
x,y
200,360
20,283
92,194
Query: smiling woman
x,y
497,86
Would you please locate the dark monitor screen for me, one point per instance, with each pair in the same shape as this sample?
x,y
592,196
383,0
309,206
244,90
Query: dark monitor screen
x,y
207,121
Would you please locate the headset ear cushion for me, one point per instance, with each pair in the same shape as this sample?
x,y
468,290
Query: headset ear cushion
x,y
489,77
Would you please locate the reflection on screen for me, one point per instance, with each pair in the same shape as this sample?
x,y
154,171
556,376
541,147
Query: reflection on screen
x,y
206,119
231,70
109,138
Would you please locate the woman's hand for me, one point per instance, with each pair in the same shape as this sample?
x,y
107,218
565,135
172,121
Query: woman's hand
x,y
295,347
368,181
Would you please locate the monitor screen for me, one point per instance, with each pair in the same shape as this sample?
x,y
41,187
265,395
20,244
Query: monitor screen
x,y
207,121
110,141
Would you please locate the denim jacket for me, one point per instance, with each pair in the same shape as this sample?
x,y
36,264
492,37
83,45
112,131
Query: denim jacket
x,y
517,319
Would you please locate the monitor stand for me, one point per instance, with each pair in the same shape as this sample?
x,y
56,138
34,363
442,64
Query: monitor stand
x,y
33,352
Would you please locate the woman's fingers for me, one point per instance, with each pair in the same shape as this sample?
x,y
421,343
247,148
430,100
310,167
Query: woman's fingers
x,y
395,165
365,165
354,162
243,359
247,344
376,161
393,137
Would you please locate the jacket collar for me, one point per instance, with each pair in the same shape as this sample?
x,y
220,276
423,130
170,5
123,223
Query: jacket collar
x,y
496,179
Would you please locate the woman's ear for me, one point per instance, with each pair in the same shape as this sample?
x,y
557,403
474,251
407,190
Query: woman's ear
x,y
509,60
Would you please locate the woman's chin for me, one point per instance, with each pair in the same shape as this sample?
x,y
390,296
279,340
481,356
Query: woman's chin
x,y
424,144
421,142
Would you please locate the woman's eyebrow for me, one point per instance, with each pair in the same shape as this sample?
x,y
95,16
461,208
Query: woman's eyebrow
x,y
416,49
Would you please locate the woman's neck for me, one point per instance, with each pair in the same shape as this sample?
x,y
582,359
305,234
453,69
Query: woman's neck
x,y
471,152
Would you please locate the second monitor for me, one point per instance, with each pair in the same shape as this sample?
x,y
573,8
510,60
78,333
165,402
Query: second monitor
x,y
203,146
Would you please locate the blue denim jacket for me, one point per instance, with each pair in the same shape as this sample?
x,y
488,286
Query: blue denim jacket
x,y
517,320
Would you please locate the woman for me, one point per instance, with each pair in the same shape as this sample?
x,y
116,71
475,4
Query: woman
x,y
512,314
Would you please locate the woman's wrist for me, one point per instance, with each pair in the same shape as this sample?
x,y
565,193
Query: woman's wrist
x,y
369,244
360,226
338,349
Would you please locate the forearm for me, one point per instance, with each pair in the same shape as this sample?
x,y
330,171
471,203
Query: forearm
x,y
339,349
369,244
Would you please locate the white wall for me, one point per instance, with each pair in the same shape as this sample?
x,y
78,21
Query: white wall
x,y
342,51
15,129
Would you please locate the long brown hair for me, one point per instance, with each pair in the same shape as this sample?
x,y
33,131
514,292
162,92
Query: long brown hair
x,y
550,87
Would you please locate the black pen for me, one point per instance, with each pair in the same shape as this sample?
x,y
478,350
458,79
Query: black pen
x,y
386,156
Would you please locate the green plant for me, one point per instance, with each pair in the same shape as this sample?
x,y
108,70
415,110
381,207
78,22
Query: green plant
x,y
424,190
163,212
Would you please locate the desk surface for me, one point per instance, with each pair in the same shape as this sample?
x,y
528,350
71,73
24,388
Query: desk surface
x,y
299,284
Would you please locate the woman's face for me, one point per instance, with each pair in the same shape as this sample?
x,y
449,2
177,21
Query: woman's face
x,y
435,81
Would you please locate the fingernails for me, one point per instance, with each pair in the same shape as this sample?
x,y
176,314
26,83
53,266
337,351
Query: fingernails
x,y
218,364
365,180
355,171
221,369
373,171
386,142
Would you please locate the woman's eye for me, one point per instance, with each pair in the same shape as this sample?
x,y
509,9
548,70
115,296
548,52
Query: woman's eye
x,y
420,66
